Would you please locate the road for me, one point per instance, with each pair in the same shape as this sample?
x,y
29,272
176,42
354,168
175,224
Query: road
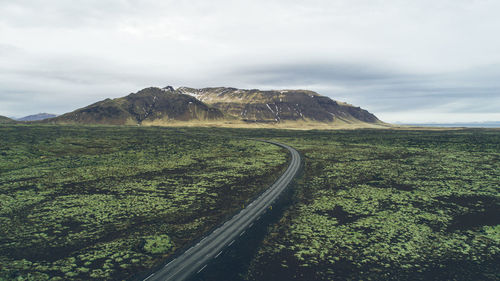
x,y
195,259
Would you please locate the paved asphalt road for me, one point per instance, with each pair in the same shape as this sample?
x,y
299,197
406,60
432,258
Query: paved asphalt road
x,y
195,259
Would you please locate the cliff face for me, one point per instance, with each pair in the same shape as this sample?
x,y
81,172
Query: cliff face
x,y
279,106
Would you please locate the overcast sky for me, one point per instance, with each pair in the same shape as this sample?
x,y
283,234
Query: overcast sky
x,y
408,61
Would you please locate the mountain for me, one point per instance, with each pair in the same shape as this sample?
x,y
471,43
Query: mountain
x,y
148,106
222,107
36,117
280,106
5,120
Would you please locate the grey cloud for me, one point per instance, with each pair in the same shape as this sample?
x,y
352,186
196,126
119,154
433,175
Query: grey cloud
x,y
385,89
7,49
300,73
56,55
38,13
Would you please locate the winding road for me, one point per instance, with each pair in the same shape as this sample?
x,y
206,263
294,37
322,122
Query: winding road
x,y
195,259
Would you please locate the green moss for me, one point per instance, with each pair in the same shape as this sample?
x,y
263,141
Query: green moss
x,y
86,197
390,205
160,244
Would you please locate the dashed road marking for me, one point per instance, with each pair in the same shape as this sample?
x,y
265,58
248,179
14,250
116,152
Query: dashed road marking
x,y
201,269
260,208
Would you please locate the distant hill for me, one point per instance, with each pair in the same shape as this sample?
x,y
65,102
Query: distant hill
x,y
36,117
6,120
221,107
486,124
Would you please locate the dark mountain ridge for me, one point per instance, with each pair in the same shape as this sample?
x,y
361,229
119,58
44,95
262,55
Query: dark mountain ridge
x,y
277,106
219,106
147,105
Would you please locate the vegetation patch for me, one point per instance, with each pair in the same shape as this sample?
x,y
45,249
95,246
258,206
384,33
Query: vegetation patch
x,y
389,205
104,203
160,244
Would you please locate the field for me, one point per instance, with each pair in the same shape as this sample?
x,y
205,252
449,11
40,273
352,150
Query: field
x,y
107,202
101,203
389,205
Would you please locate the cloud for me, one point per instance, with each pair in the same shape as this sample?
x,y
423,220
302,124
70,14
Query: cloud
x,y
387,56
384,89
315,72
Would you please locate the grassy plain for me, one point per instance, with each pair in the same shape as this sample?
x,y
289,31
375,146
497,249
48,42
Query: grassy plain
x,y
389,205
100,203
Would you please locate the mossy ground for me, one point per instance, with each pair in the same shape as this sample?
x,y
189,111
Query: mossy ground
x,y
389,205
105,202
101,203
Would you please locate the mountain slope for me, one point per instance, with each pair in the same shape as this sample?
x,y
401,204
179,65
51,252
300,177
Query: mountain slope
x,y
6,120
280,106
144,107
36,117
222,107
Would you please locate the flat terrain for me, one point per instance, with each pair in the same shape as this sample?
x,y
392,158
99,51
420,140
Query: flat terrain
x,y
107,202
196,258
389,205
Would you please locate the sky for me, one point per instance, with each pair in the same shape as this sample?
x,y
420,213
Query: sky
x,y
405,61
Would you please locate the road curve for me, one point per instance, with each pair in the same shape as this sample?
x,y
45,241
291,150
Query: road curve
x,y
195,259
